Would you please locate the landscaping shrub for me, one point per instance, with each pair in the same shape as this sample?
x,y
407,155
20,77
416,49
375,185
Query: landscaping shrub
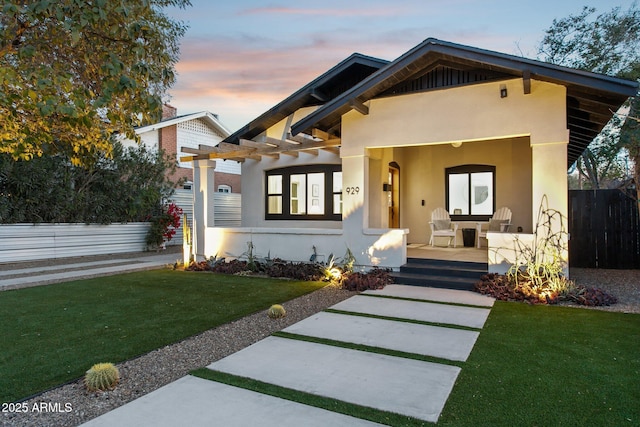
x,y
559,288
163,225
231,267
536,275
592,297
294,270
376,278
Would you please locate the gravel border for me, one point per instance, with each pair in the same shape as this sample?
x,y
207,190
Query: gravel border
x,y
623,284
153,370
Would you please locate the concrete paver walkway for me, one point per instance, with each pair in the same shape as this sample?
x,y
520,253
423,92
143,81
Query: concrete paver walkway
x,y
434,294
471,317
427,340
403,386
195,402
391,383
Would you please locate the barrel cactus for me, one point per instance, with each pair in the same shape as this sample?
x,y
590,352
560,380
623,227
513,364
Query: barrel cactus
x,y
276,311
102,376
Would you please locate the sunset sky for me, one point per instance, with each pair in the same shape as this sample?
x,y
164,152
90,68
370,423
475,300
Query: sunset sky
x,y
241,57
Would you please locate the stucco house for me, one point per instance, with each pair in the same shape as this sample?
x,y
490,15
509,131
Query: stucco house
x,y
360,157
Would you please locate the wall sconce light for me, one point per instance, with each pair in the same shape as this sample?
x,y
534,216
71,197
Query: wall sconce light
x,y
456,144
503,91
386,187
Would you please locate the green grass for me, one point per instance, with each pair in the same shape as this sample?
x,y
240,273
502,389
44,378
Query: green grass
x,y
531,366
543,366
53,334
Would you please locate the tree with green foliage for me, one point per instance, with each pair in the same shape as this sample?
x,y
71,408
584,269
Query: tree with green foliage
x,y
607,43
74,73
129,185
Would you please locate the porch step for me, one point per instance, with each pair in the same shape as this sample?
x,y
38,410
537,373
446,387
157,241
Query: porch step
x,y
440,273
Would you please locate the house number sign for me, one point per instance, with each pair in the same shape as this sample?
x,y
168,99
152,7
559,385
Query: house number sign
x,y
352,191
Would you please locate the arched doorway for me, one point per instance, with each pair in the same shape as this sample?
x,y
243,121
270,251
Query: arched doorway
x,y
393,195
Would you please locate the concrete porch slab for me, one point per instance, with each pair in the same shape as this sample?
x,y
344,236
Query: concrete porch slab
x,y
192,401
434,294
447,343
424,311
404,386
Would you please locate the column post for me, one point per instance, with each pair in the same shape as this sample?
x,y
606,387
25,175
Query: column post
x,y
203,210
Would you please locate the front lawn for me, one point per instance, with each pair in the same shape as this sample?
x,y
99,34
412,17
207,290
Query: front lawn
x,y
53,334
550,365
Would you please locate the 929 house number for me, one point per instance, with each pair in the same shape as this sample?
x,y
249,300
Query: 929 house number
x,y
352,191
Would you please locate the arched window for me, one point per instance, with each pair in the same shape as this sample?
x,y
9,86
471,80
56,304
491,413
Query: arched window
x,y
470,192
223,188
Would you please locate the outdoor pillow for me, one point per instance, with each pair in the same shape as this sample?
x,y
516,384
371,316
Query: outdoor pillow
x,y
442,224
495,224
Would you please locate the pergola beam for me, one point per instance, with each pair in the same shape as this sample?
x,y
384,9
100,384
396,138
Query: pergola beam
x,y
271,147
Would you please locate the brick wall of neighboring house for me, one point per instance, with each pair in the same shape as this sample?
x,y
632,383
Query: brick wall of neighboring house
x,y
168,141
232,180
182,175
169,111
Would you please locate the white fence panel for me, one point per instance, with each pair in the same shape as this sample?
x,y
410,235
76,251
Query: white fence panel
x,y
28,242
183,199
227,209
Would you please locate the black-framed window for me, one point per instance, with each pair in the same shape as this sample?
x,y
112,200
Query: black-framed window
x,y
312,192
470,192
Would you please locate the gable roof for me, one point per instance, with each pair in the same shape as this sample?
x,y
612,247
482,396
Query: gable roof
x,y
322,89
591,98
209,118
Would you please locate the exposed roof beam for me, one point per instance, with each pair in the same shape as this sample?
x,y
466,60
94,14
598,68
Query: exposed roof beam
x,y
359,106
526,81
319,95
319,133
254,144
190,150
334,150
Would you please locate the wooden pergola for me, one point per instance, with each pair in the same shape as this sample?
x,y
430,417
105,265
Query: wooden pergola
x,y
265,147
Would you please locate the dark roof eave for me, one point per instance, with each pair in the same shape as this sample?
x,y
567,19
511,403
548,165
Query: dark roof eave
x,y
508,63
291,103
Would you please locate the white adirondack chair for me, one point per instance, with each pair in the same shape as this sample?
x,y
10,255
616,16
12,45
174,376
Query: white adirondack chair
x,y
500,221
441,226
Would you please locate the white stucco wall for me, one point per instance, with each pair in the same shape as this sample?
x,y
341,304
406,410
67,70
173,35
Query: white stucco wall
x,y
253,188
464,114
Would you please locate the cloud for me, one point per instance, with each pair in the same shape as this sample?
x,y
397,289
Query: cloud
x,y
241,76
334,12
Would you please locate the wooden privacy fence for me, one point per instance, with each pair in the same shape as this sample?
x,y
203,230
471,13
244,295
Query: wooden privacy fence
x,y
604,230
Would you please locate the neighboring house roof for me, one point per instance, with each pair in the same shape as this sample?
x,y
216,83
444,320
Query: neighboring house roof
x,y
208,117
591,98
319,91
